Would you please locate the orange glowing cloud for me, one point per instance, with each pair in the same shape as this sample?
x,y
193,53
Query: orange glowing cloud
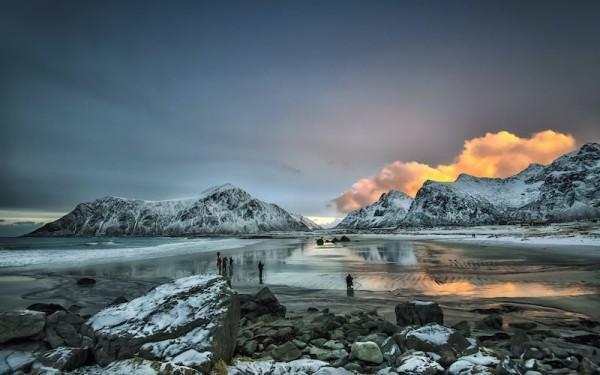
x,y
500,154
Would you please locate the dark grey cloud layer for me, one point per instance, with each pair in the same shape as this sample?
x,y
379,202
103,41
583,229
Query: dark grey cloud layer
x,y
291,100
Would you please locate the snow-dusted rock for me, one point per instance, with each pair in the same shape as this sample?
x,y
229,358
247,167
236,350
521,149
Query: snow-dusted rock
x,y
366,351
224,209
418,363
418,313
137,366
387,212
13,360
462,367
191,322
20,323
434,338
299,366
64,358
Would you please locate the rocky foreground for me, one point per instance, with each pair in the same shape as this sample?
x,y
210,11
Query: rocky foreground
x,y
198,325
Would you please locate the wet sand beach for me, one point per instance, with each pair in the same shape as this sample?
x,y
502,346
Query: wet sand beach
x,y
550,283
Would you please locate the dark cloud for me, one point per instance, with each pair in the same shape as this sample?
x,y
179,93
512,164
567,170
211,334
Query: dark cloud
x,y
291,100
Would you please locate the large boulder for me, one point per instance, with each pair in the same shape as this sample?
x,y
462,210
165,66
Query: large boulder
x,y
418,313
20,324
262,303
191,322
367,351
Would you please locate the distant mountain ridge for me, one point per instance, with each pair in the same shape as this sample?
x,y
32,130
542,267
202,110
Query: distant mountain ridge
x,y
224,209
567,189
388,211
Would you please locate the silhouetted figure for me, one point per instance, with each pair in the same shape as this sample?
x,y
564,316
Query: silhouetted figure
x,y
349,286
231,266
260,272
219,262
225,266
349,282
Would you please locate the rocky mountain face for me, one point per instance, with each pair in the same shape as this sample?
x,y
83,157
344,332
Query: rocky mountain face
x,y
388,211
224,209
567,189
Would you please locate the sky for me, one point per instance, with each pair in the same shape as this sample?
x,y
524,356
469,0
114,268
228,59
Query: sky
x,y
307,104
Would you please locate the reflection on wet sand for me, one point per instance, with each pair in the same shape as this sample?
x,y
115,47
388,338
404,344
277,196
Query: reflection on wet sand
x,y
406,267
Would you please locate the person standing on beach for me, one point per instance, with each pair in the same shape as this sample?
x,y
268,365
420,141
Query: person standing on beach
x,y
219,262
349,282
231,266
225,266
260,271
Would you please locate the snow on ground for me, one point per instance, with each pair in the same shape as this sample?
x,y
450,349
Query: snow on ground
x,y
576,233
45,257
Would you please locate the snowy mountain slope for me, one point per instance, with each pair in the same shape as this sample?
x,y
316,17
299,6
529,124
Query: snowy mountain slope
x,y
306,221
567,189
387,212
225,209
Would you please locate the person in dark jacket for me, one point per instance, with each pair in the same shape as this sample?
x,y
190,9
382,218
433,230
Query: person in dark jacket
x,y
261,267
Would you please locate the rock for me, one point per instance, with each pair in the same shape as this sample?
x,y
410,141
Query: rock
x,y
286,352
140,366
367,351
353,366
463,327
518,343
191,321
333,345
468,368
12,361
391,351
250,347
377,338
587,367
533,352
418,313
47,308
419,364
438,339
320,242
312,310
523,325
571,362
20,324
86,281
270,367
493,321
507,367
263,303
64,358
344,239
119,300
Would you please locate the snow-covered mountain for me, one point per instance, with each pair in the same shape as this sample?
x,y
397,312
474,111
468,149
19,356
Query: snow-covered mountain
x,y
387,212
225,209
306,221
567,189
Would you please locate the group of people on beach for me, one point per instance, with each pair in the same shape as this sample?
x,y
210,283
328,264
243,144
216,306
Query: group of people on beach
x,y
222,269
222,265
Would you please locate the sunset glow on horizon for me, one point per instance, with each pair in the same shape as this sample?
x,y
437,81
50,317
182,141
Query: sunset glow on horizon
x,y
499,154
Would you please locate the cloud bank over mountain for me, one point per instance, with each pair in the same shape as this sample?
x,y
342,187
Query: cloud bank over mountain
x,y
499,154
